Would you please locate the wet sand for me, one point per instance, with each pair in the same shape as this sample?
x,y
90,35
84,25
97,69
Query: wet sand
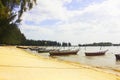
x,y
17,64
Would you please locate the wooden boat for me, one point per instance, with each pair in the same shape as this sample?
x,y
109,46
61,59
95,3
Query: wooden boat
x,y
95,53
43,50
22,47
33,48
117,56
63,52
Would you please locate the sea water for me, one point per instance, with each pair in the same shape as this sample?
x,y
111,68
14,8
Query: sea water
x,y
105,61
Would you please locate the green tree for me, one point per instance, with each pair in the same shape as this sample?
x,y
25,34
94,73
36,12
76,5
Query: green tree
x,y
69,44
10,14
11,35
11,9
64,44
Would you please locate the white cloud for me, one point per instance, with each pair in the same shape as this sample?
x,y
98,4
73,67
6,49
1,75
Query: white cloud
x,y
96,22
36,32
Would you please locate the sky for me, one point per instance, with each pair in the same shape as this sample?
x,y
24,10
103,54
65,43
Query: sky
x,y
75,21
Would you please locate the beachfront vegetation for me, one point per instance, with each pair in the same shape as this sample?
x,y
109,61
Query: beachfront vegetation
x,y
44,43
12,10
66,44
10,17
41,43
10,34
100,44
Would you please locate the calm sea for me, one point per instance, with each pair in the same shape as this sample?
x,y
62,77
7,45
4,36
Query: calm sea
x,y
106,61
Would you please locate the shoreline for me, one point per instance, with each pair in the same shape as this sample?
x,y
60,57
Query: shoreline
x,y
103,69
38,67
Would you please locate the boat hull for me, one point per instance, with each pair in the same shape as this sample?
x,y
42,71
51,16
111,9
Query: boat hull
x,y
117,56
43,51
21,47
62,53
95,53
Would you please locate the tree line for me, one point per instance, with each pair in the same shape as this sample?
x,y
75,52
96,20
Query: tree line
x,y
28,42
10,34
100,44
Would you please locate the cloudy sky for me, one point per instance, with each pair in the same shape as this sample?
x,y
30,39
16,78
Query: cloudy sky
x,y
75,21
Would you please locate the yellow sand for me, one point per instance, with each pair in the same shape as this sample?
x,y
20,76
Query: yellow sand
x,y
17,64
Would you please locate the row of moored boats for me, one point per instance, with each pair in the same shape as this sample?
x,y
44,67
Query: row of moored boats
x,y
59,52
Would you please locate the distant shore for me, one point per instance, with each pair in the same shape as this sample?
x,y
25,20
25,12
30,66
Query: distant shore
x,y
17,64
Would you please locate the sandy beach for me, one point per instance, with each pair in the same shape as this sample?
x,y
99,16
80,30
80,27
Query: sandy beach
x,y
17,64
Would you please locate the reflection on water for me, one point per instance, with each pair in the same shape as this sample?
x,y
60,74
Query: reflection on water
x,y
107,60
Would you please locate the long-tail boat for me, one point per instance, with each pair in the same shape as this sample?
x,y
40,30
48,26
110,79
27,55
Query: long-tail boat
x,y
95,53
117,56
63,52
